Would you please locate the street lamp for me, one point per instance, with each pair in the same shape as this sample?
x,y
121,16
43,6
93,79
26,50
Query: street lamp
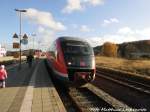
x,y
33,35
20,11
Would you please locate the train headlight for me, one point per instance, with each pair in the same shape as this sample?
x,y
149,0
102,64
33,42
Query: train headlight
x,y
93,62
69,63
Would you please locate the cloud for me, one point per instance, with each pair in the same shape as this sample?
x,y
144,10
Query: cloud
x,y
85,28
125,30
114,20
107,22
78,5
94,41
95,2
139,32
46,35
43,39
41,29
114,38
47,26
125,34
72,5
144,32
45,19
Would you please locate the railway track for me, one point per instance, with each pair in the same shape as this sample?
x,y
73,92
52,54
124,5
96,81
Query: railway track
x,y
132,91
84,99
125,81
87,101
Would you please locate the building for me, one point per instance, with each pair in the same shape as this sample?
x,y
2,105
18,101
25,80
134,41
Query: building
x,y
2,51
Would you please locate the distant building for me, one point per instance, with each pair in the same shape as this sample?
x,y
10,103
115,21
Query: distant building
x,y
2,51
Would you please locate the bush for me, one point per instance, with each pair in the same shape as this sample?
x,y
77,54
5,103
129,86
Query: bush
x,y
7,62
109,49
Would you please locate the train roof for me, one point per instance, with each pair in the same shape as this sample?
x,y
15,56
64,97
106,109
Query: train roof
x,y
66,38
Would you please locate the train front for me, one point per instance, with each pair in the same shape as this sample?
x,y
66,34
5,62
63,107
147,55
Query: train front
x,y
80,61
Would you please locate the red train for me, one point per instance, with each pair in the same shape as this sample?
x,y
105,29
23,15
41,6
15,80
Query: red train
x,y
72,61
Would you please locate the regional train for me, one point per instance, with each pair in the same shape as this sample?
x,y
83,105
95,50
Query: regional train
x,y
72,61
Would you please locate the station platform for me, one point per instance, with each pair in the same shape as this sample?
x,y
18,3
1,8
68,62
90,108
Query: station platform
x,y
30,90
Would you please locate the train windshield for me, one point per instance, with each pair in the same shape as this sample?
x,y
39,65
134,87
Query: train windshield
x,y
77,48
77,53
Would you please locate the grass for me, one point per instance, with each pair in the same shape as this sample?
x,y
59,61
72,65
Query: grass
x,y
8,58
134,66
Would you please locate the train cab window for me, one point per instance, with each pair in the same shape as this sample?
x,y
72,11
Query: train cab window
x,y
77,47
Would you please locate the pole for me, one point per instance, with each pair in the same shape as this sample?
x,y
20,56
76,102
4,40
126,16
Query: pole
x,y
39,54
20,11
33,35
33,42
20,43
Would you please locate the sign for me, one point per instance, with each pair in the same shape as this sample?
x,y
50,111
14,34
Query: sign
x,y
15,36
24,41
25,36
16,45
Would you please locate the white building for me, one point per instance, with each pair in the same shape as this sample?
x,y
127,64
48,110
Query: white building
x,y
2,51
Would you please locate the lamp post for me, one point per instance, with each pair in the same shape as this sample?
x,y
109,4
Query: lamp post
x,y
20,11
33,35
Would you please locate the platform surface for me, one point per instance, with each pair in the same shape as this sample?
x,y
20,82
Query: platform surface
x,y
30,90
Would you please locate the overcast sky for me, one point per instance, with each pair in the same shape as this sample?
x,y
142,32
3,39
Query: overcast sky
x,y
97,21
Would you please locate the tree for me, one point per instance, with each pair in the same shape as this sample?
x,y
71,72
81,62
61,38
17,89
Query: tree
x,y
109,49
